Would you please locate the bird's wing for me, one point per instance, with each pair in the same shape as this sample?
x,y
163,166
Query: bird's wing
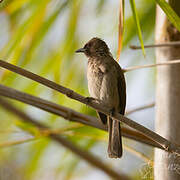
x,y
122,92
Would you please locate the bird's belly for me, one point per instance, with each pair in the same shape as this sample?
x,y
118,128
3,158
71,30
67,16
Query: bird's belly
x,y
94,84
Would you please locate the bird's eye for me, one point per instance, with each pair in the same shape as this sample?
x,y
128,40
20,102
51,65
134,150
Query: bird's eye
x,y
88,45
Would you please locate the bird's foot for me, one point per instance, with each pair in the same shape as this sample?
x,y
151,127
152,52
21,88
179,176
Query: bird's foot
x,y
90,99
112,111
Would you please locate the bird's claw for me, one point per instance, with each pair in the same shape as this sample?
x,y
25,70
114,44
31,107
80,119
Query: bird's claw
x,y
89,99
112,111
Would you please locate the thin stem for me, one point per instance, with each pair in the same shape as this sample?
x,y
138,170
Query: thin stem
x,y
87,156
47,132
168,44
140,108
171,62
12,143
140,155
120,28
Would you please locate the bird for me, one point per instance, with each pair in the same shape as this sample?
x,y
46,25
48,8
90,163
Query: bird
x,y
106,82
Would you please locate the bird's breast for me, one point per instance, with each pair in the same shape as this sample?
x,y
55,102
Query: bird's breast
x,y
94,77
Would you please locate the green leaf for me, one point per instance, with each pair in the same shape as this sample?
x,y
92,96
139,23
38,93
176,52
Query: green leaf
x,y
136,19
100,5
147,19
171,14
42,32
36,151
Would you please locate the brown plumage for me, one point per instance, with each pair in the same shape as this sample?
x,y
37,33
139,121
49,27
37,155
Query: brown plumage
x,y
106,82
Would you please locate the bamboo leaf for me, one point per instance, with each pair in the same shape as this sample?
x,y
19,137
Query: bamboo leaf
x,y
136,19
147,19
42,31
171,14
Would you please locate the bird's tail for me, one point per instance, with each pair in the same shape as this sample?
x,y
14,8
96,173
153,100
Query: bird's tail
x,y
115,141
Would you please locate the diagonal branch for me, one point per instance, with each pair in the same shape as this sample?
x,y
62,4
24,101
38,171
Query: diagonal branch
x,y
167,145
70,114
87,156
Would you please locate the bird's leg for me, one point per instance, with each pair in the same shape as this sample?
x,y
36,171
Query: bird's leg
x,y
112,111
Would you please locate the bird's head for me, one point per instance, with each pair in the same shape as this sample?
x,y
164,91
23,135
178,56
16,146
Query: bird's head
x,y
95,47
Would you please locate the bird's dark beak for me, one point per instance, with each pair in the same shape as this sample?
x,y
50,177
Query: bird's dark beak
x,y
81,50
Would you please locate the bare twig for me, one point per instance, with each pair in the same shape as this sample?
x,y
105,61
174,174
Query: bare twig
x,y
22,141
47,132
140,108
175,43
12,143
167,145
70,114
171,62
140,155
90,158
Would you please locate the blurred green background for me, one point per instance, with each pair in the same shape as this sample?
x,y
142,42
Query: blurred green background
x,y
42,36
